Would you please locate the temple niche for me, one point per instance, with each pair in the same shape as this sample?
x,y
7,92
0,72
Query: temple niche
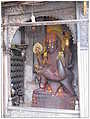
x,y
50,78
55,70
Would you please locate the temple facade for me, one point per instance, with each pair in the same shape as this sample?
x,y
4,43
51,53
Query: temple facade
x,y
61,26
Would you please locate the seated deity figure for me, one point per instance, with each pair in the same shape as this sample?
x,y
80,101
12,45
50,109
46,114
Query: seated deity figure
x,y
54,67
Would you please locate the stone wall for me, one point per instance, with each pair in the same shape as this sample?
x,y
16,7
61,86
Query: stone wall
x,y
84,26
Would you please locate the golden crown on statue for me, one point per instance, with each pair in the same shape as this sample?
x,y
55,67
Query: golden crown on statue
x,y
37,48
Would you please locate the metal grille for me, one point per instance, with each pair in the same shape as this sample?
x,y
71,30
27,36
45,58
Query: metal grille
x,y
17,77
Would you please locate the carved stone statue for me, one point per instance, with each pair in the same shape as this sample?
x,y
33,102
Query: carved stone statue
x,y
54,68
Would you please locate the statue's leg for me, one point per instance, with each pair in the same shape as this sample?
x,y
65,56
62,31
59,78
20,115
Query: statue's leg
x,y
67,83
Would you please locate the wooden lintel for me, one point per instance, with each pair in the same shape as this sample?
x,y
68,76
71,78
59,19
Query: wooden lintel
x,y
41,23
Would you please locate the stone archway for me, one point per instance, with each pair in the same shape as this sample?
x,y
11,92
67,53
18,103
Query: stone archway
x,y
11,32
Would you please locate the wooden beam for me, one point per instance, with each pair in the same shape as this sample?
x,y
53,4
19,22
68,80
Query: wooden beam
x,y
41,23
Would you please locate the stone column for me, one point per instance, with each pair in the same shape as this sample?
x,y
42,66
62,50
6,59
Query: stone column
x,y
82,44
5,70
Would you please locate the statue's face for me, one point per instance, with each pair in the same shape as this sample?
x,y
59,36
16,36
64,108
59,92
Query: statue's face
x,y
52,48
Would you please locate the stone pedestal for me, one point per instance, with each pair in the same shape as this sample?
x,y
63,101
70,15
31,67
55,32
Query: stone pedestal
x,y
41,98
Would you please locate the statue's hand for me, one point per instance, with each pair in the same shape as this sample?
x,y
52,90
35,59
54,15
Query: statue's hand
x,y
38,69
70,66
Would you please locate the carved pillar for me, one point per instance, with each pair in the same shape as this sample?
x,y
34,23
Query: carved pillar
x,y
5,70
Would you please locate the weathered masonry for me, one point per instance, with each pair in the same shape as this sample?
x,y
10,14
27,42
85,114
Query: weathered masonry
x,y
23,25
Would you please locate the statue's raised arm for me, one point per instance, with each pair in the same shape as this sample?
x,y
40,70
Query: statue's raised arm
x,y
38,50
